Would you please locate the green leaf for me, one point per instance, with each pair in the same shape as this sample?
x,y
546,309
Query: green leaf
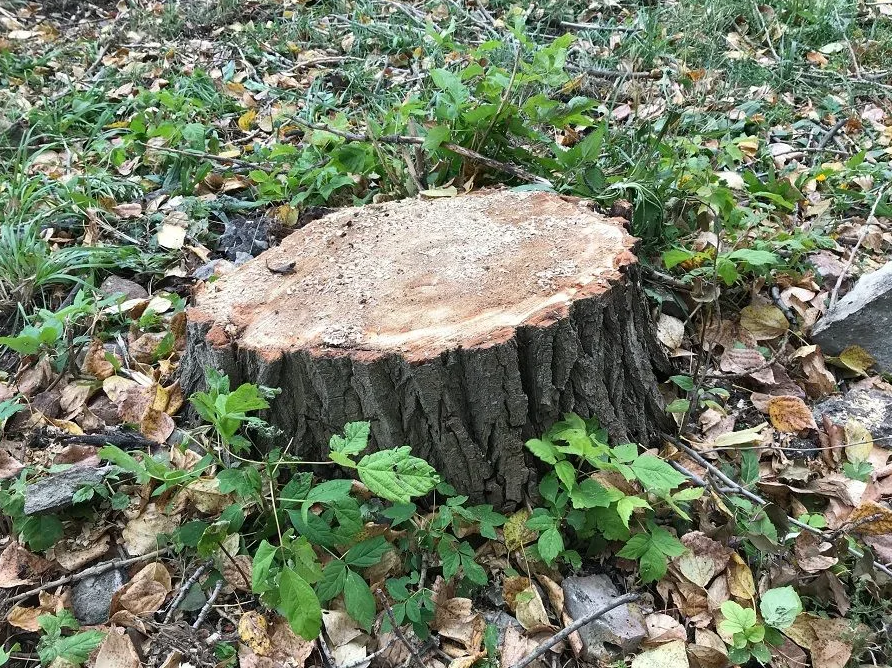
x,y
738,656
359,601
244,481
449,558
126,461
656,474
368,552
684,382
780,607
666,543
676,256
653,565
591,494
41,532
749,466
755,258
74,649
626,505
761,653
566,473
328,491
635,547
737,618
354,441
299,605
436,136
397,476
678,406
550,545
399,513
334,577
689,494
544,450
625,453
260,567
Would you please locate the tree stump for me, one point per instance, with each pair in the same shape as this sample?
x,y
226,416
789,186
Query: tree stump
x,y
460,326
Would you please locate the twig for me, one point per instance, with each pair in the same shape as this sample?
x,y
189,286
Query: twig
x,y
98,569
575,626
62,93
835,294
209,604
736,488
765,30
184,589
597,26
399,632
666,279
831,133
519,172
191,153
618,74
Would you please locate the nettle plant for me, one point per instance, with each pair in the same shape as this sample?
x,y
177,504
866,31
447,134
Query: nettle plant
x,y
576,449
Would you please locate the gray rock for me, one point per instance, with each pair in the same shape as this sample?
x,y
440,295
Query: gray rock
x,y
216,267
863,317
57,491
623,628
502,620
871,407
115,285
244,236
91,597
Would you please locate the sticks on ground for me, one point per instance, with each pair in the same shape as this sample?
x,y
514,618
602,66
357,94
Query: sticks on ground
x,y
208,605
93,570
575,626
184,589
413,652
513,170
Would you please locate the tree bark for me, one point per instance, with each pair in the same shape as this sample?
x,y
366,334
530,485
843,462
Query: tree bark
x,y
466,408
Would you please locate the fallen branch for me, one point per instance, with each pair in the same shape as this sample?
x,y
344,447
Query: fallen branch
x,y
845,270
205,610
597,26
513,170
575,626
184,589
413,652
827,137
733,487
191,153
98,569
370,657
125,440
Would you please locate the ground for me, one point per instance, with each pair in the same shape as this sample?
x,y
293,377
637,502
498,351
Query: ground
x,y
147,148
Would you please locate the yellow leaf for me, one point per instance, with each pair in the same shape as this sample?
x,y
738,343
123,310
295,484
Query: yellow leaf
x,y
790,414
859,441
857,359
763,322
252,629
516,532
740,578
880,519
246,119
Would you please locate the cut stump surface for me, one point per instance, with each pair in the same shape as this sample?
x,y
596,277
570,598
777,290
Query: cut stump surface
x,y
460,326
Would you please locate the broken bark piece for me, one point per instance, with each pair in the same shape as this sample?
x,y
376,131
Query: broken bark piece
x,y
460,326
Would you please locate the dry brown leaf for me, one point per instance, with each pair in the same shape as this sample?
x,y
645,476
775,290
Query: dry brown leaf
x,y
252,630
819,381
554,592
117,651
670,331
511,587
662,629
763,322
19,567
142,532
26,617
287,649
467,661
145,593
530,610
749,362
340,627
788,655
206,497
808,550
859,441
740,578
872,519
95,362
790,414
10,467
670,655
71,556
454,619
517,647
704,558
73,398
238,574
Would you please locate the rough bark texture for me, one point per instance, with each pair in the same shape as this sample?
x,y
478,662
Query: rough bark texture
x,y
466,408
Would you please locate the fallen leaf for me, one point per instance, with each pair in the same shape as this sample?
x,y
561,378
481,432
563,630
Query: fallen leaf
x,y
742,437
671,655
171,233
670,331
252,630
530,610
517,647
763,322
859,442
747,361
511,587
340,627
808,550
454,619
144,593
131,210
871,518
238,574
246,120
857,359
790,414
10,467
704,559
71,557
142,532
19,567
117,651
740,578
819,381
662,629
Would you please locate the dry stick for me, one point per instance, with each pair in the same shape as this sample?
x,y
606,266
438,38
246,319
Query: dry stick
x,y
617,74
519,172
831,133
596,26
398,631
835,294
575,626
184,589
736,488
191,153
87,72
207,606
93,570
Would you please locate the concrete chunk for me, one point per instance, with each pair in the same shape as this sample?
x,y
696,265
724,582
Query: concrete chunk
x,y
57,491
863,317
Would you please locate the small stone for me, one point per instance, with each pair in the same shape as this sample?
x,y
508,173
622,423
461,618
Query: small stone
x,y
502,621
217,267
863,317
91,597
115,285
623,627
871,407
57,491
